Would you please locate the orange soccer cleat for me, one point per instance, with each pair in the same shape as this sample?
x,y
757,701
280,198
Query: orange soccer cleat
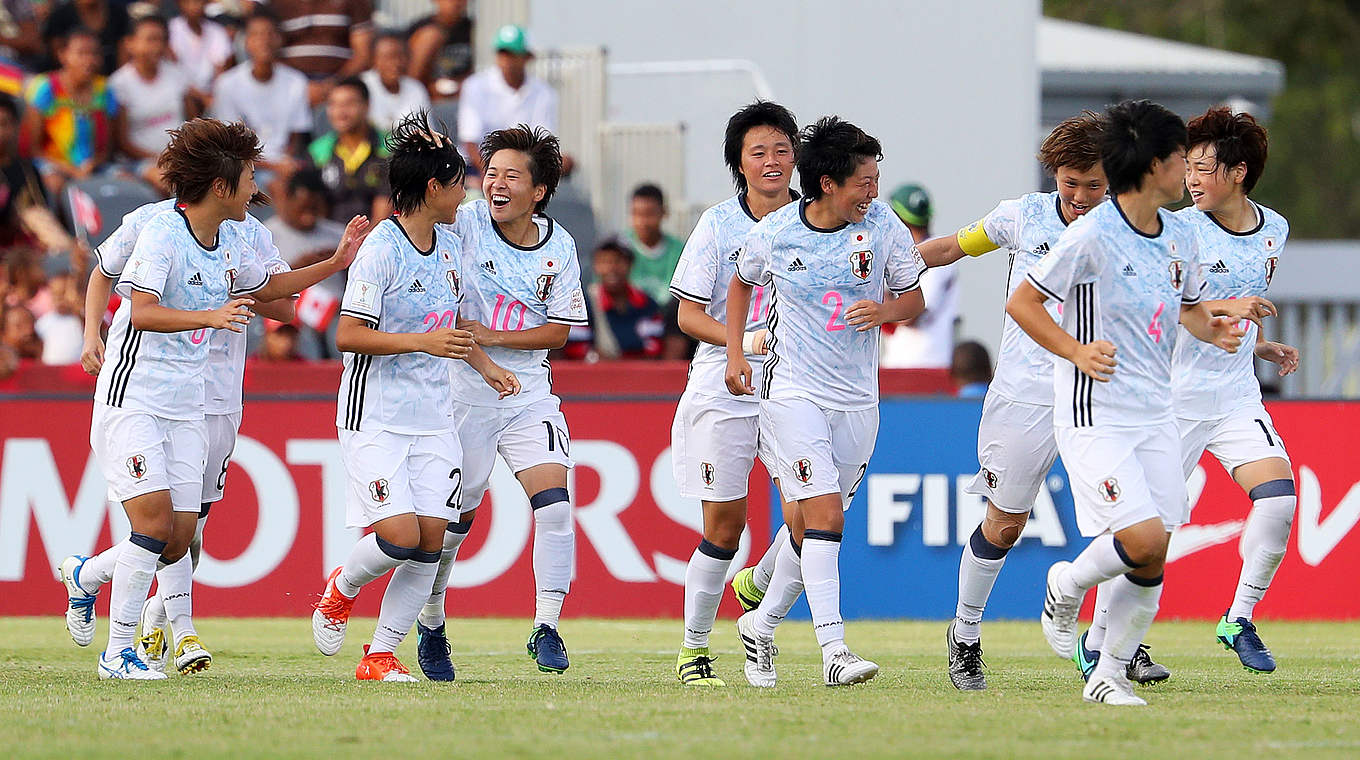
x,y
382,666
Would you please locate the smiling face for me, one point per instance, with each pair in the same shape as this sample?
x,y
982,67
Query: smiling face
x,y
509,186
1166,177
444,200
1080,191
1212,186
767,160
850,199
237,202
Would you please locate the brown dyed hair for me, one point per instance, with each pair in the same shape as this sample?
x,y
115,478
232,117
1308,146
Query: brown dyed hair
x,y
542,148
1074,143
204,151
1236,138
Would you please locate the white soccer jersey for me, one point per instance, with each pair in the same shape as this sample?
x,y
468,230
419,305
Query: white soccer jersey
x,y
1120,285
1209,383
258,260
397,288
512,287
702,276
163,373
813,277
1028,227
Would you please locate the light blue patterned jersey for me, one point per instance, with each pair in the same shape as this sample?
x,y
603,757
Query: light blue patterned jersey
x,y
702,276
1210,383
1119,285
512,287
395,287
1028,227
164,373
813,276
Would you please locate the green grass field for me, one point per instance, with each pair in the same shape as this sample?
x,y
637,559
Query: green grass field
x,y
270,694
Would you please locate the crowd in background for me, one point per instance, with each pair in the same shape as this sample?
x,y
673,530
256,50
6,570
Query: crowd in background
x,y
89,88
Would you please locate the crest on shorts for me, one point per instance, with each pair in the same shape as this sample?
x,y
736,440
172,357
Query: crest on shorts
x,y
1109,490
706,472
1177,268
862,263
136,465
802,469
451,275
1270,266
543,286
379,491
989,478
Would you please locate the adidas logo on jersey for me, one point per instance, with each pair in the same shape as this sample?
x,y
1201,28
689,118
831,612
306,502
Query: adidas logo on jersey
x,y
1041,249
733,256
196,279
489,266
1128,271
797,266
416,287
1219,267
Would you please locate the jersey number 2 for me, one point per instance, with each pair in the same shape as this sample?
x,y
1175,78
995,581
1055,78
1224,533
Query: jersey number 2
x,y
833,299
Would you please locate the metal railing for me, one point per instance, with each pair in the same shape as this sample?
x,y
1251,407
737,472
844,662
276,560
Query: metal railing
x,y
1327,334
636,153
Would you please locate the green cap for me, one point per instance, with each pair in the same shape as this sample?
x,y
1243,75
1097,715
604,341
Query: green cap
x,y
912,204
512,39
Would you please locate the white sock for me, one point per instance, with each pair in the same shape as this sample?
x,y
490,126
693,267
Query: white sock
x,y
1096,635
367,561
98,570
786,584
1133,605
432,614
1264,542
978,567
704,577
196,543
153,616
406,593
822,583
175,588
554,554
132,576
1101,560
764,569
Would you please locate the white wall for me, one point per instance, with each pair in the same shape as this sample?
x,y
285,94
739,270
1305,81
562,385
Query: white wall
x,y
950,87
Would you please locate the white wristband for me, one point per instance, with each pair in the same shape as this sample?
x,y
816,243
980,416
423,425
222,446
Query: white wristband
x,y
748,341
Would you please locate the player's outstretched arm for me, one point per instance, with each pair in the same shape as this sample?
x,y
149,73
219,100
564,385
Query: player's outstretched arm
x,y
96,301
355,336
738,375
503,380
941,251
280,310
551,335
866,315
289,283
149,315
1026,306
1220,331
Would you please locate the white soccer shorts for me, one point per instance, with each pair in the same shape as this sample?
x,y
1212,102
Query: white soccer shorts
x,y
525,436
1016,449
714,442
819,451
1123,476
1246,435
140,453
389,474
222,430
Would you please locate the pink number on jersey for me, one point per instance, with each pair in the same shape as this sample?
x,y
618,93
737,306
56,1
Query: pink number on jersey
x,y
504,320
197,336
436,320
758,305
834,300
1155,326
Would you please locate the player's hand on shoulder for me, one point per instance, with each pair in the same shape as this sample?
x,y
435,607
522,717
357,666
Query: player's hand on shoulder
x,y
1096,360
1284,355
1227,335
865,315
355,232
233,315
448,342
738,377
92,356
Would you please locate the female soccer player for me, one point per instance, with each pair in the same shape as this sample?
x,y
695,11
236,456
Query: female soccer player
x,y
1123,273
397,436
824,261
147,429
715,437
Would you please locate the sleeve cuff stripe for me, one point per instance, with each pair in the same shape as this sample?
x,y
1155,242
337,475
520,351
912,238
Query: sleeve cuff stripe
x,y
568,321
256,289
359,315
139,288
748,282
678,293
1043,289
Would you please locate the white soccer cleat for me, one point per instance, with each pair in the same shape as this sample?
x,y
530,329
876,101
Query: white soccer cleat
x,y
79,603
845,667
760,652
331,617
1112,690
126,666
1059,620
151,645
191,657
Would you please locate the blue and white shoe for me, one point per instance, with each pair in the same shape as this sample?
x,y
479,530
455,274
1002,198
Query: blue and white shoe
x,y
79,602
1085,659
126,665
432,651
1240,636
546,647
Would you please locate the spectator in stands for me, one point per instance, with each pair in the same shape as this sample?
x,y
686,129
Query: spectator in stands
x,y
657,252
441,49
928,340
971,369
328,40
153,96
18,334
280,342
20,39
505,95
391,94
304,235
351,156
68,127
107,20
202,47
625,323
61,327
269,97
20,186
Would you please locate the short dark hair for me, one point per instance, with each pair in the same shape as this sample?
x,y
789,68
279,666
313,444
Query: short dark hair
x,y
10,104
150,18
74,32
1236,138
542,148
1137,132
617,246
971,363
392,35
415,161
203,151
310,180
356,83
761,113
1074,143
650,192
832,148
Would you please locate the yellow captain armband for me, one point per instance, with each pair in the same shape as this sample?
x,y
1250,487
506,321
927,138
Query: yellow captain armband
x,y
974,241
